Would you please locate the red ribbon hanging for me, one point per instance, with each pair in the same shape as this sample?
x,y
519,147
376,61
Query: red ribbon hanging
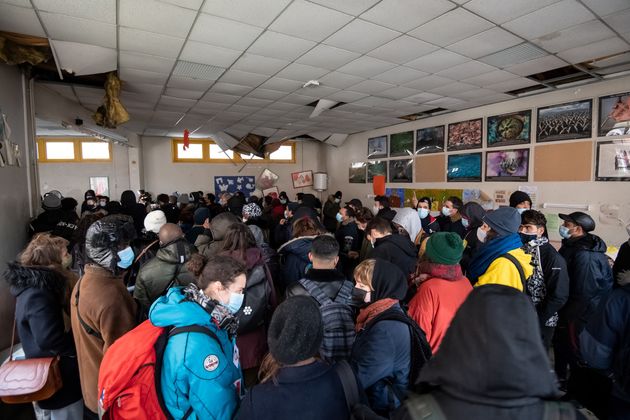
x,y
186,139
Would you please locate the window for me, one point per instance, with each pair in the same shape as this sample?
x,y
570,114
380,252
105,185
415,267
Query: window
x,y
204,151
73,149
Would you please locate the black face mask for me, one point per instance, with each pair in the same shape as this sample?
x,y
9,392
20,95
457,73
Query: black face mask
x,y
358,297
527,237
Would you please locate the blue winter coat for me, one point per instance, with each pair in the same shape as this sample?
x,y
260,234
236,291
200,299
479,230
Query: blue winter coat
x,y
195,370
294,257
381,354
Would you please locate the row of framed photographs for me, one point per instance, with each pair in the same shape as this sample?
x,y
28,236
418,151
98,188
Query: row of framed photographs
x,y
511,165
566,121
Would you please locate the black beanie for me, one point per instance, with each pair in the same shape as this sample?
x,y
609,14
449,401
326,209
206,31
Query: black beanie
x,y
295,332
518,197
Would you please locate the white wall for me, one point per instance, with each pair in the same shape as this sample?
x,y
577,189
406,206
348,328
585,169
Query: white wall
x,y
594,193
162,175
14,190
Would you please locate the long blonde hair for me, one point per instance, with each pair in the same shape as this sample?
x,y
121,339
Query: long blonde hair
x,y
364,271
269,369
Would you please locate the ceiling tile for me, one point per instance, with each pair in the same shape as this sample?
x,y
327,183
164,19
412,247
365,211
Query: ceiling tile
x,y
619,21
149,43
295,98
375,101
436,61
428,82
67,28
150,14
309,21
495,76
284,85
100,10
230,88
398,92
199,52
189,4
575,36
422,97
143,88
260,93
243,78
452,88
352,7
404,15
20,20
179,82
327,57
366,67
501,11
537,65
361,36
399,75
258,64
142,76
511,85
402,50
209,107
595,50
465,70
549,19
340,80
346,96
606,7
451,27
145,62
371,86
183,93
223,32
473,94
301,72
258,103
487,42
253,12
284,47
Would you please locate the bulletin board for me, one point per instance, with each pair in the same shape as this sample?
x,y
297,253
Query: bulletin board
x,y
431,168
563,162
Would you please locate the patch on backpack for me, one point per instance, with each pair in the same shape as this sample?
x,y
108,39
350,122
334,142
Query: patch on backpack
x,y
211,363
236,356
247,310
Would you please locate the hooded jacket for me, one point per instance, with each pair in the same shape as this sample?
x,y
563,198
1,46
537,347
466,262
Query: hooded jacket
x,y
40,294
197,370
331,208
211,243
294,257
169,264
508,375
397,249
409,219
386,213
134,209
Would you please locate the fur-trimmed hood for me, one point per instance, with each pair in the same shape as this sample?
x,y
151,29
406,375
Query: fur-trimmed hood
x,y
22,277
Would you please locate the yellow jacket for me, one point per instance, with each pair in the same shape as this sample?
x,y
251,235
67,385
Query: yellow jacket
x,y
503,271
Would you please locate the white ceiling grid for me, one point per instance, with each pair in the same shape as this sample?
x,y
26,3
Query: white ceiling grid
x,y
239,66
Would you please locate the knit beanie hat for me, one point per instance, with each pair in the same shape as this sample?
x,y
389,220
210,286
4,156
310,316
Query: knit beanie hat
x,y
518,197
51,201
295,332
504,220
445,248
154,221
252,209
200,215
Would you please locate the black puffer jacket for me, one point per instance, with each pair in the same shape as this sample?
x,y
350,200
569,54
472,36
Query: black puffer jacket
x,y
40,294
330,281
398,250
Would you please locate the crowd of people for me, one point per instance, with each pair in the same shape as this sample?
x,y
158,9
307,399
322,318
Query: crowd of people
x,y
267,308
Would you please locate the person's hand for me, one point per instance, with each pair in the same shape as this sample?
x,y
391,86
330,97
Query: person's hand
x,y
414,202
353,254
206,223
283,221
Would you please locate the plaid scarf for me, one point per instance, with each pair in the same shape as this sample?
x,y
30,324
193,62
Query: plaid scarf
x,y
220,315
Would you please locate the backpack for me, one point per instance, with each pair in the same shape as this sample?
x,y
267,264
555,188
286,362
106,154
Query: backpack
x,y
129,385
259,302
337,318
420,348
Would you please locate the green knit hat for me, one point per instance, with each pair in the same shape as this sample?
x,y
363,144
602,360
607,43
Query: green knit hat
x,y
445,248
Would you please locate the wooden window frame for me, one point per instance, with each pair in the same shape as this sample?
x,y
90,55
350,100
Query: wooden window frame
x,y
78,152
237,156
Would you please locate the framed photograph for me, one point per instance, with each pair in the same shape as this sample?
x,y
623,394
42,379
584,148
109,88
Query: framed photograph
x,y
464,168
507,165
613,161
568,121
401,170
377,147
465,135
376,167
267,179
273,192
100,185
358,173
430,140
614,115
510,129
401,144
302,179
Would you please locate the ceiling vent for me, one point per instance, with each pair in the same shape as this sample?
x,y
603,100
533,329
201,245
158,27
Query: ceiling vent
x,y
513,55
423,114
197,70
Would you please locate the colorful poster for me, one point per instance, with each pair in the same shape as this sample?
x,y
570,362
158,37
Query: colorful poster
x,y
233,184
437,196
396,197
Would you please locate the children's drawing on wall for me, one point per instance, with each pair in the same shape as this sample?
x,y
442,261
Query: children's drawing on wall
x,y
234,184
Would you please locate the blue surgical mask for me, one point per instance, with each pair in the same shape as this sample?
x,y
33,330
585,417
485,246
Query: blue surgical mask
x,y
521,210
481,235
126,257
564,232
423,213
446,211
339,217
465,222
235,302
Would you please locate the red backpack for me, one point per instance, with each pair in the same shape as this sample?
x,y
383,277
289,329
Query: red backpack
x,y
129,378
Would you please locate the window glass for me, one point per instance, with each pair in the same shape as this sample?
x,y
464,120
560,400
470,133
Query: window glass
x,y
217,153
283,153
95,150
250,157
194,151
59,150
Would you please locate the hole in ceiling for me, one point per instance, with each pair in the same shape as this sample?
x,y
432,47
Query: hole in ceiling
x,y
562,75
314,104
423,114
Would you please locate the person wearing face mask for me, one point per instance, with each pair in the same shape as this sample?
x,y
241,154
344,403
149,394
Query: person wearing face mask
x,y
472,219
500,260
167,268
549,285
362,216
284,230
591,280
331,209
284,198
199,372
521,201
89,203
347,236
41,282
621,267
382,208
429,223
397,249
451,219
101,307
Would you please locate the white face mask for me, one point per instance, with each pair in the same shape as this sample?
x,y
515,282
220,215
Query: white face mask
x,y
375,209
521,210
446,211
286,214
481,234
423,212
